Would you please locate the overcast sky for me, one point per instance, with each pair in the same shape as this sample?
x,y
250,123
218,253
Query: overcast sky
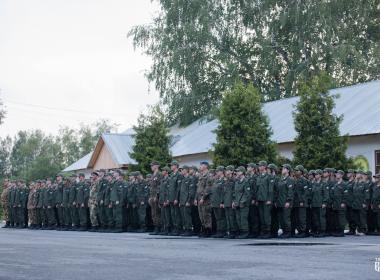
x,y
63,62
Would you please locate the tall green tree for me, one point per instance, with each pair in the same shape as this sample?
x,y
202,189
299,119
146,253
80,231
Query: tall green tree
x,y
244,133
2,112
5,152
318,142
152,140
200,47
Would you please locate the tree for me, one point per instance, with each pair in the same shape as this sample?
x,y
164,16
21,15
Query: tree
x,y
151,140
2,112
318,142
200,47
35,155
5,152
243,135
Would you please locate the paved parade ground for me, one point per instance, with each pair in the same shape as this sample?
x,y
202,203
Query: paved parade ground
x,y
37,254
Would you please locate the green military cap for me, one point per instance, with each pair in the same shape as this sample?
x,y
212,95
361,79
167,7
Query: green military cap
x,y
263,163
149,175
59,175
287,166
368,173
240,169
109,174
333,170
350,171
272,166
174,162
376,175
205,163
212,170
194,168
299,168
340,172
220,168
138,173
95,173
166,168
326,170
359,171
305,170
154,163
252,165
318,171
118,171
230,168
185,167
81,175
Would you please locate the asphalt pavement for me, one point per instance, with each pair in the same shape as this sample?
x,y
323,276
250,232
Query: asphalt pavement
x,y
38,254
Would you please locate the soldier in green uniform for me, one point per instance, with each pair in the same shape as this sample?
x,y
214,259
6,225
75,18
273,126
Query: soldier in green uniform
x,y
284,200
338,197
66,205
93,204
174,184
117,202
153,197
371,219
300,202
163,201
253,217
39,205
241,202
58,201
4,202
100,199
196,222
360,203
132,206
49,204
217,196
349,196
142,193
186,199
319,200
31,206
83,192
202,199
273,178
10,202
73,202
264,199
375,202
228,198
107,202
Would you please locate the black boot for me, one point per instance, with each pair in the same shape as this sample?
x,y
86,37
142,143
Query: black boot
x,y
7,225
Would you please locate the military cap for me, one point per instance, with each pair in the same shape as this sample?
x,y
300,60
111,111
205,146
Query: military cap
x,y
333,170
318,171
154,163
299,168
59,175
95,173
149,175
252,165
287,166
350,171
185,167
118,171
359,171
368,173
205,163
272,166
220,168
340,172
193,167
326,170
174,162
138,173
263,163
212,170
230,168
240,169
376,175
166,168
81,175
109,174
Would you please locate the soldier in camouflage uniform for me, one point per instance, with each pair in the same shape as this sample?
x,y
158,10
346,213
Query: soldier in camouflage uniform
x,y
153,197
4,202
202,199
31,206
103,222
93,201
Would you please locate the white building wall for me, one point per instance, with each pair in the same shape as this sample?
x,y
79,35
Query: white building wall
x,y
194,159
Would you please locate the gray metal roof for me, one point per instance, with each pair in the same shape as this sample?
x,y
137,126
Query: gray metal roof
x,y
359,104
120,145
82,163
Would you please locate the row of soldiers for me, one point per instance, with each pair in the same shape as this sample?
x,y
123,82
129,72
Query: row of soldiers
x,y
257,201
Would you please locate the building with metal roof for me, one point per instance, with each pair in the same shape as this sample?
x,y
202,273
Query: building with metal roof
x,y
358,104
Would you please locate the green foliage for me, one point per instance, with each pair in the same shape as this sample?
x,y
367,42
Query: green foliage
x,y
200,47
151,140
243,135
2,112
318,142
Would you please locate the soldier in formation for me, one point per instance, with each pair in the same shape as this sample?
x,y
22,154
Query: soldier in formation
x,y
261,201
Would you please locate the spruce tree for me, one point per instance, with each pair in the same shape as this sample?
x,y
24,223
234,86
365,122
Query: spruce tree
x,y
243,135
151,140
318,143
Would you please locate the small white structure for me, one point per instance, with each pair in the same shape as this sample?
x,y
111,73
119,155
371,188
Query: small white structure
x,y
358,104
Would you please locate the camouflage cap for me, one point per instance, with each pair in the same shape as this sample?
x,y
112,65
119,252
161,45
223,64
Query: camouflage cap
x,y
240,169
326,170
230,168
350,171
299,168
359,171
174,162
149,175
318,171
263,163
252,165
194,168
311,172
154,163
166,168
185,167
272,166
287,166
220,168
340,172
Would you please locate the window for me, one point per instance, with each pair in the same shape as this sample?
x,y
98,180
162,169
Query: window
x,y
377,161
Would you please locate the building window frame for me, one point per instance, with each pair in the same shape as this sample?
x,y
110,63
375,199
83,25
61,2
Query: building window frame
x,y
377,161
